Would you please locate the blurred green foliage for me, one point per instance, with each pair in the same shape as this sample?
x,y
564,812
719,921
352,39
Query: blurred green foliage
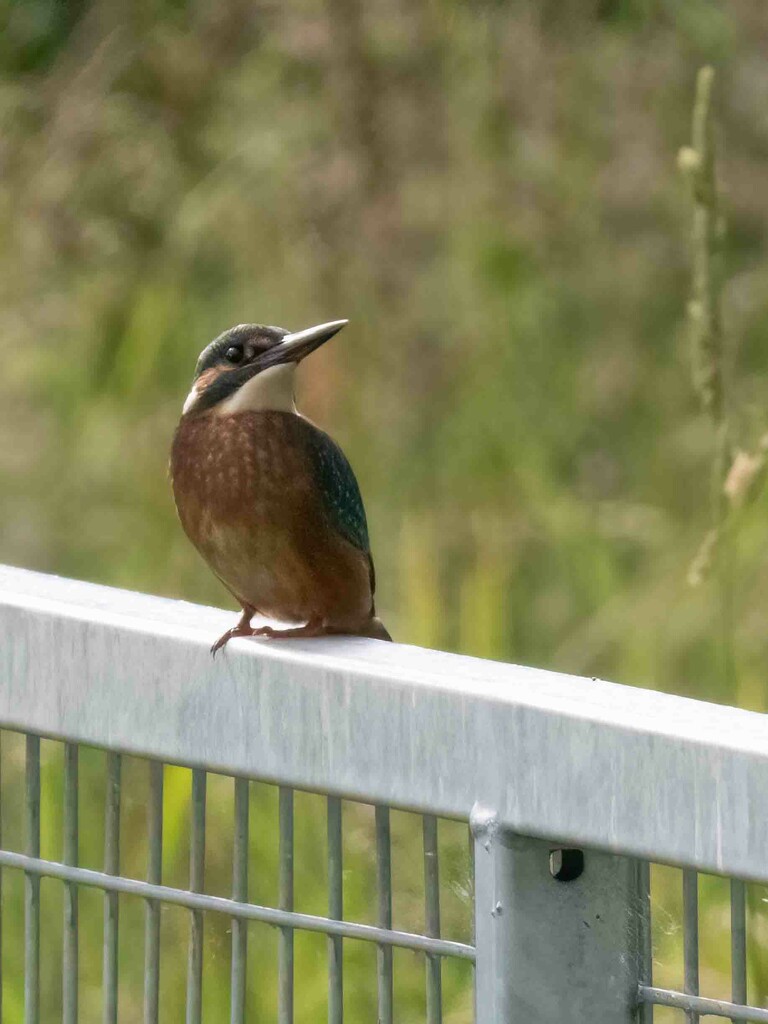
x,y
488,191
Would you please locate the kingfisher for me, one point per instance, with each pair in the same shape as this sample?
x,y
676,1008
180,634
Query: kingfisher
x,y
267,498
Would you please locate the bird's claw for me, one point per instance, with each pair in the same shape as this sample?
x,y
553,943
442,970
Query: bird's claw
x,y
265,631
223,639
310,629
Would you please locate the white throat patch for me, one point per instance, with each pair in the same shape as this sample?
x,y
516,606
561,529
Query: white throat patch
x,y
271,390
190,400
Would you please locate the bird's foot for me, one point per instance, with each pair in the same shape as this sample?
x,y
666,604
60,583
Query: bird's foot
x,y
230,635
310,629
243,628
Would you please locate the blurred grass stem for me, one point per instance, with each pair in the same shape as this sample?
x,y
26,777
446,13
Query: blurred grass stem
x,y
697,162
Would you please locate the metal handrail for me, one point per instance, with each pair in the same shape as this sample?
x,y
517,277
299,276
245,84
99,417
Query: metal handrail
x,y
577,760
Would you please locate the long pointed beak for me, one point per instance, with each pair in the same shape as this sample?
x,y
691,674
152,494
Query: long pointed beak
x,y
294,347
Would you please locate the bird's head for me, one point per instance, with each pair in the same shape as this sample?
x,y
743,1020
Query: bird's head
x,y
251,367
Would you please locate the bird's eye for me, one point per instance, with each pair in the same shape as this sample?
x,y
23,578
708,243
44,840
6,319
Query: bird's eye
x,y
234,354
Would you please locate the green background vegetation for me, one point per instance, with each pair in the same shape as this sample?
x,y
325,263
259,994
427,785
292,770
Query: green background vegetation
x,y
488,191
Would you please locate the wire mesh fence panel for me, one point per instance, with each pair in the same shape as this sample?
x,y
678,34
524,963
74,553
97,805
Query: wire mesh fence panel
x,y
152,837
261,865
704,948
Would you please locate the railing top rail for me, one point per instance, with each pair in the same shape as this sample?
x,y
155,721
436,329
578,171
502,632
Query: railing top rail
x,y
580,761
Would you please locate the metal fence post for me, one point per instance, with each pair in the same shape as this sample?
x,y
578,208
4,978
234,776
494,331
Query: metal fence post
x,y
548,949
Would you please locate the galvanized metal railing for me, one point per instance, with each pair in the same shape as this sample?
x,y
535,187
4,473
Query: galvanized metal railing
x,y
571,787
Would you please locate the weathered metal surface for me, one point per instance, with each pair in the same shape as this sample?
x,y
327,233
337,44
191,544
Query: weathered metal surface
x,y
69,996
196,884
240,895
702,1005
32,886
335,910
246,911
738,942
1,912
691,939
285,899
645,1014
111,903
432,917
384,899
582,761
550,950
152,907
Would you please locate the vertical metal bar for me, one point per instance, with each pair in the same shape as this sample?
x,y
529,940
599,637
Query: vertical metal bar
x,y
384,920
432,918
335,912
646,936
32,887
691,938
111,905
239,893
471,879
152,907
1,893
285,899
70,951
196,882
738,942
552,944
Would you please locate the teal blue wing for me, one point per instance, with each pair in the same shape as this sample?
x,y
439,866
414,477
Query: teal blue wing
x,y
341,494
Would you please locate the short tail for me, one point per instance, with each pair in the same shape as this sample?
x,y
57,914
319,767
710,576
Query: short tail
x,y
375,629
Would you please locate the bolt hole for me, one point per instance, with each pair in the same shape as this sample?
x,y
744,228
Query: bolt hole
x,y
566,865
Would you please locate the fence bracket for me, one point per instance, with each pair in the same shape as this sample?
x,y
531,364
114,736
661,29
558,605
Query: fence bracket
x,y
550,948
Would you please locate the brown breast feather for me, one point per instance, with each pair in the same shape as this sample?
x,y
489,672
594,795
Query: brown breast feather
x,y
246,498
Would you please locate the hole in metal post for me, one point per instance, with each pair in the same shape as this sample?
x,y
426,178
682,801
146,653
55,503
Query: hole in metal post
x,y
566,865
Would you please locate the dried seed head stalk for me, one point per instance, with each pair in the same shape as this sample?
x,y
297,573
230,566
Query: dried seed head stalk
x,y
746,475
697,162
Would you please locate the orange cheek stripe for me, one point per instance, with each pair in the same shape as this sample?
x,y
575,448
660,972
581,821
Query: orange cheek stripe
x,y
208,377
